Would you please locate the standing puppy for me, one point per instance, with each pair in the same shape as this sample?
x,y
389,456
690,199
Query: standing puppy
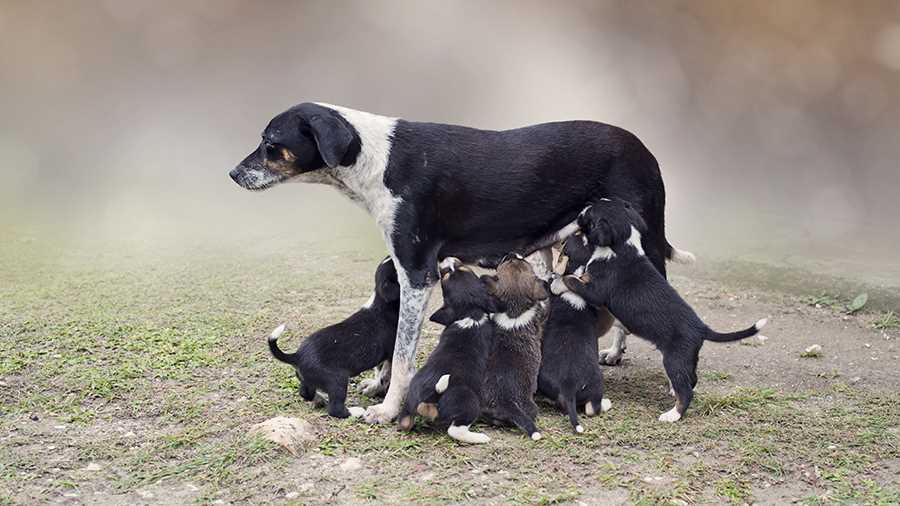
x,y
620,277
570,372
512,371
327,359
448,388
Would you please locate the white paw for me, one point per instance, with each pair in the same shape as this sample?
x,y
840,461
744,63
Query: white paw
x,y
536,436
381,413
605,405
611,356
356,411
579,429
557,287
589,408
370,387
670,416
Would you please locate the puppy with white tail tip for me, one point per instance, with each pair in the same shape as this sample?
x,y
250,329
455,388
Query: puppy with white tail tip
x,y
624,280
447,389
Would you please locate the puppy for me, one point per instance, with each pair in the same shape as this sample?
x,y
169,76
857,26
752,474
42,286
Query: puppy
x,y
570,371
620,277
327,359
512,371
448,388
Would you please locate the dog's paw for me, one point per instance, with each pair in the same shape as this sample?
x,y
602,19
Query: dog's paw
x,y
605,405
611,356
381,413
670,416
558,287
356,411
371,387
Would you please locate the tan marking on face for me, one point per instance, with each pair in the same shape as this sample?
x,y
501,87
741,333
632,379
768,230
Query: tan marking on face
x,y
427,410
288,155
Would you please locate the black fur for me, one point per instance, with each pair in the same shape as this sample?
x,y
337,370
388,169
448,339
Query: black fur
x,y
570,374
462,352
512,371
328,358
641,298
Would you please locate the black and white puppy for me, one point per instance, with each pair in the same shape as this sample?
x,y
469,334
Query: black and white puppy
x,y
570,373
432,190
328,358
622,278
448,388
512,371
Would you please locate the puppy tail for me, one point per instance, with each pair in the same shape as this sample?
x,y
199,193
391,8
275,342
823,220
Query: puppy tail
x,y
442,383
287,358
572,409
712,335
678,256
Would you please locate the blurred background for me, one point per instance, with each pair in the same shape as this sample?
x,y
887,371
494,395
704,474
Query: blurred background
x,y
776,124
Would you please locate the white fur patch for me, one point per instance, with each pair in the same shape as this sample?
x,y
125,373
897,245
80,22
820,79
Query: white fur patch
x,y
368,303
762,323
462,433
584,211
468,323
557,287
682,257
277,332
579,429
449,263
602,253
671,415
574,300
605,405
356,411
536,436
634,240
589,409
504,321
442,383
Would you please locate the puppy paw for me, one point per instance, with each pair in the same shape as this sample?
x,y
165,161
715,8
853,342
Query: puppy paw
x,y
558,287
371,387
611,356
356,411
381,413
670,416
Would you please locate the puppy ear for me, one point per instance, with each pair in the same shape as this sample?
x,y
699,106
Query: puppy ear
x,y
332,136
636,219
490,282
494,305
599,233
539,290
443,316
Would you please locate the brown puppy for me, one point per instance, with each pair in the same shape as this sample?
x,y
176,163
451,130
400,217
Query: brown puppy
x,y
512,370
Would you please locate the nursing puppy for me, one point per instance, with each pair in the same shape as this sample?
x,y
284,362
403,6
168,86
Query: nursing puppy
x,y
327,359
570,372
448,388
511,378
620,277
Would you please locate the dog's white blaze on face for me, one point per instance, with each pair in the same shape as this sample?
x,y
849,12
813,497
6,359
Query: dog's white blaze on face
x,y
635,241
671,415
574,300
462,433
368,303
504,321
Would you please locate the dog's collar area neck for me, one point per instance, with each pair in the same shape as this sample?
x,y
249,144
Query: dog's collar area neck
x,y
469,322
514,322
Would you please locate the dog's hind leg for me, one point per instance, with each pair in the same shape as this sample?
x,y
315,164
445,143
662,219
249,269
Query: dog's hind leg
x,y
523,422
337,397
681,377
378,385
307,391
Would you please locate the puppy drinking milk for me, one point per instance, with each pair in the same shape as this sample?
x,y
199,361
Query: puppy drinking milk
x,y
620,277
448,388
328,358
512,371
570,372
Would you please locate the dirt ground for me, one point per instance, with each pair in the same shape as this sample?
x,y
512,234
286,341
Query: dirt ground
x,y
134,377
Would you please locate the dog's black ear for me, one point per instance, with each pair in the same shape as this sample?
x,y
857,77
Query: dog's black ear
x,y
494,305
490,282
540,290
636,219
443,316
600,233
332,136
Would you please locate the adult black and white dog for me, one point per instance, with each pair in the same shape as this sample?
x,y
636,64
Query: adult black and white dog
x,y
439,190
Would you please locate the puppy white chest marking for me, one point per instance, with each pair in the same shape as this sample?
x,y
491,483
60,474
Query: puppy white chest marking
x,y
468,323
634,240
504,321
601,253
574,300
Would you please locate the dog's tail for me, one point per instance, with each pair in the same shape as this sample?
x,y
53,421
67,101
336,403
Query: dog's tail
x,y
712,335
679,256
572,409
287,358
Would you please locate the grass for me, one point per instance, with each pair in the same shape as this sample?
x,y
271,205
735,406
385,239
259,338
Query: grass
x,y
154,366
887,321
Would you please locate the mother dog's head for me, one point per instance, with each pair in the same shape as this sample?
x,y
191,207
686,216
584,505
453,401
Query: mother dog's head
x,y
303,139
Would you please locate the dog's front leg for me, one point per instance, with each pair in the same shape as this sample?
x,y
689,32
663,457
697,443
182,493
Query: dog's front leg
x,y
413,300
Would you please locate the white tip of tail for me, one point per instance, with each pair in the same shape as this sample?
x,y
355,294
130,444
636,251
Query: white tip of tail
x,y
579,429
442,384
762,323
682,257
536,436
605,405
277,332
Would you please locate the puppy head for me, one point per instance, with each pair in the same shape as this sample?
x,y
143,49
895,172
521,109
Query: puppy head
x,y
386,285
576,251
303,139
465,295
515,283
608,222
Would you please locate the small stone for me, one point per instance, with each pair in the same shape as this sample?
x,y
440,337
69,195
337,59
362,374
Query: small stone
x,y
292,495
855,379
762,338
34,418
285,431
146,494
812,351
93,466
306,487
832,447
351,464
129,434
